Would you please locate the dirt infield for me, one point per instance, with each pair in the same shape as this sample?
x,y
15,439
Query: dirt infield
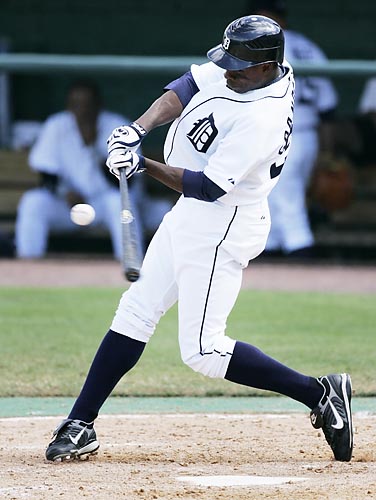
x,y
144,457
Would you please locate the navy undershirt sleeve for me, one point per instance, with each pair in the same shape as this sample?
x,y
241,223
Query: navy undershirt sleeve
x,y
197,185
184,87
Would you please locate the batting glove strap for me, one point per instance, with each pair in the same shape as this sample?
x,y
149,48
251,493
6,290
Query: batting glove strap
x,y
139,129
125,138
141,165
132,162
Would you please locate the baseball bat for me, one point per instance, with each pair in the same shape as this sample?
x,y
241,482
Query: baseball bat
x,y
131,253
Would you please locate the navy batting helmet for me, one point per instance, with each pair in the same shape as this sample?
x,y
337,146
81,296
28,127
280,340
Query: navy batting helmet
x,y
249,41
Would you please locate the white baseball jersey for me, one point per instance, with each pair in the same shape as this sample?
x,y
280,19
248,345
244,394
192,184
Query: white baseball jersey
x,y
240,142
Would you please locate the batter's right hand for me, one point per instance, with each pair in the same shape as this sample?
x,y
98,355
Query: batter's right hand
x,y
132,162
125,138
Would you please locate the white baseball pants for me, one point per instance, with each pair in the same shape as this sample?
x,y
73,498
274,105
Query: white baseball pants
x,y
196,258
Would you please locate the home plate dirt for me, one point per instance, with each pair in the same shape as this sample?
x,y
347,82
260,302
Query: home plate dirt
x,y
192,457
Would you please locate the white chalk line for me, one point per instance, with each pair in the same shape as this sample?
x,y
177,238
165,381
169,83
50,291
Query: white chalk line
x,y
229,480
175,416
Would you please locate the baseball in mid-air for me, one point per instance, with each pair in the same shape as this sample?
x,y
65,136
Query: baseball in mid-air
x,y
82,214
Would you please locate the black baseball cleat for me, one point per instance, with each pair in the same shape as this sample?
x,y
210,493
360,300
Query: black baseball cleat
x,y
333,414
72,439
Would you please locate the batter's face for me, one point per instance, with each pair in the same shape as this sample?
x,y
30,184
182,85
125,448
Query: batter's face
x,y
247,79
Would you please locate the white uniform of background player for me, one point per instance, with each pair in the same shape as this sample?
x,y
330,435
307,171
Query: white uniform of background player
x,y
314,97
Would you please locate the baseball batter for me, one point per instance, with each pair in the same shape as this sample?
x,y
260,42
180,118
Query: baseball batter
x,y
224,152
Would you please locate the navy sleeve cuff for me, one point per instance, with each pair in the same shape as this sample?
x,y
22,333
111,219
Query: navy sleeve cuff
x,y
184,87
197,185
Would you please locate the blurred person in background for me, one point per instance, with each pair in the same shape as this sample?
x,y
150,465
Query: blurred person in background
x,y
315,104
70,154
356,134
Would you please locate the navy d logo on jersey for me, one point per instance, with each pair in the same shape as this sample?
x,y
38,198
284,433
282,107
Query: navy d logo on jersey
x,y
203,134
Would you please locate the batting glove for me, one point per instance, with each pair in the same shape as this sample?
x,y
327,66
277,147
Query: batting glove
x,y
126,138
132,162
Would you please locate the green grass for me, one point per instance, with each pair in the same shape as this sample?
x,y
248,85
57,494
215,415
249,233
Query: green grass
x,y
48,338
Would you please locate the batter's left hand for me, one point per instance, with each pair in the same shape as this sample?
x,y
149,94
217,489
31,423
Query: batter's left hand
x,y
132,162
126,138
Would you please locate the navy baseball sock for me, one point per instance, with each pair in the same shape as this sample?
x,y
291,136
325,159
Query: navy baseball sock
x,y
250,366
116,355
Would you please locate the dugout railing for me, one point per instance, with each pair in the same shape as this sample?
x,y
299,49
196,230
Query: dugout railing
x,y
42,63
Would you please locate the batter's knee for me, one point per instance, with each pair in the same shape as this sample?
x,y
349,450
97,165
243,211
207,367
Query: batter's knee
x,y
136,316
213,361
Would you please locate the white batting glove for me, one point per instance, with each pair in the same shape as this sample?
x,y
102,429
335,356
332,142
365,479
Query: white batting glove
x,y
126,138
132,162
